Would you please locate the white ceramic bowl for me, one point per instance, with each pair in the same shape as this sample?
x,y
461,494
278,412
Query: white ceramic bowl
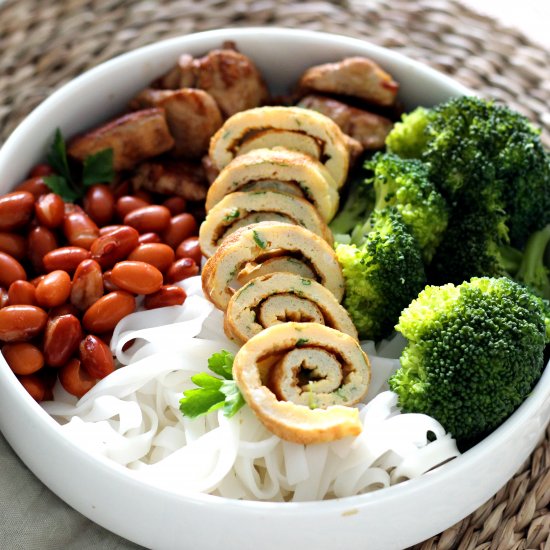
x,y
105,492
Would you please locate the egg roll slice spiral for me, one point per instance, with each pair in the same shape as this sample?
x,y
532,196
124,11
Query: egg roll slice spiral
x,y
239,209
281,297
277,165
300,380
246,125
262,241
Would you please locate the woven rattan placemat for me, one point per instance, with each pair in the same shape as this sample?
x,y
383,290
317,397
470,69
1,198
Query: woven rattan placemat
x,y
44,44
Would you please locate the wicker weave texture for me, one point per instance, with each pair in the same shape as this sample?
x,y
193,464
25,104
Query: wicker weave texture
x,y
62,39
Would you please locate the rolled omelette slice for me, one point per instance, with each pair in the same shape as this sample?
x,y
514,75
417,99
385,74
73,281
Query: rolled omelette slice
x,y
274,264
300,380
290,168
257,242
243,208
281,297
241,127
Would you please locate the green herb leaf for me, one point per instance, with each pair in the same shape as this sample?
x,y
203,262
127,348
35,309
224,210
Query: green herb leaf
x,y
205,380
234,399
201,401
233,215
213,393
301,342
60,186
258,240
221,363
57,157
98,168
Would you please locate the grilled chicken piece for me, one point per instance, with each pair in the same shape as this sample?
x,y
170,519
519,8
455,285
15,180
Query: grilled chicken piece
x,y
369,129
354,76
192,115
180,178
227,75
298,379
133,138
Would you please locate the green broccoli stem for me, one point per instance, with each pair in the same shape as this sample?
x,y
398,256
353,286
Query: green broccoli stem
x,y
532,270
511,259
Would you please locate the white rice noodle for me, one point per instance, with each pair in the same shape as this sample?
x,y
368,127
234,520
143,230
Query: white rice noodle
x,y
132,417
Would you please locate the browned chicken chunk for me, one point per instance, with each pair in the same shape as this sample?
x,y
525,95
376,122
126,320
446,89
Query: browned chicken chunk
x,y
133,138
192,115
369,129
354,76
227,75
181,178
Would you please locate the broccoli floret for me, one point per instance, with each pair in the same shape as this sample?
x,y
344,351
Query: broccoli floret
x,y
357,206
475,244
532,270
409,138
474,353
405,184
472,146
382,275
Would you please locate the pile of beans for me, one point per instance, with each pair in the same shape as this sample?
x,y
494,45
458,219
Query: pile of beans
x,y
70,273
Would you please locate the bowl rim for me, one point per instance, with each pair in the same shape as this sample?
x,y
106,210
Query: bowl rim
x,y
539,397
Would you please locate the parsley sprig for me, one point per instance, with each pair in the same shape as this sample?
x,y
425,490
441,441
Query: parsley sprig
x,y
213,393
97,168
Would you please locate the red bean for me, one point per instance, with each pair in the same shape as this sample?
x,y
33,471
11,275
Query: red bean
x,y
10,270
157,254
104,315
66,258
35,185
99,204
182,269
76,379
23,358
16,210
190,248
40,241
106,229
21,323
127,204
35,386
4,298
108,284
50,210
13,244
41,170
96,357
115,246
78,227
149,238
168,295
181,227
22,292
61,339
176,205
154,218
54,289
137,277
87,286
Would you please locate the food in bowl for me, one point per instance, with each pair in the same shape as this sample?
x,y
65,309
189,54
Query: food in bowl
x,y
117,371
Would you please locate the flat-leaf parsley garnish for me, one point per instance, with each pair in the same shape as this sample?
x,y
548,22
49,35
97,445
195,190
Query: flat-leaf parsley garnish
x,y
213,393
97,168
